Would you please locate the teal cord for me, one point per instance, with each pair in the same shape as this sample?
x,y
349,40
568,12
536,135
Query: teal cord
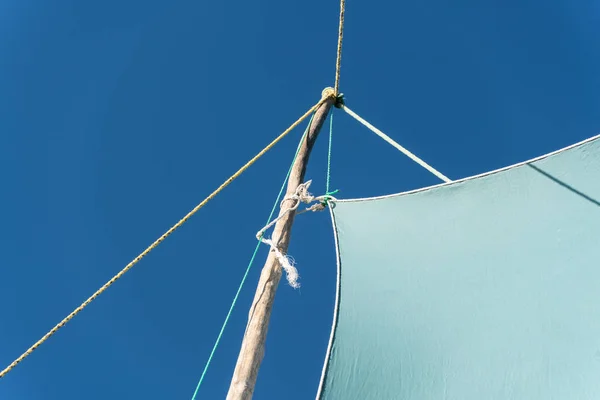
x,y
329,153
327,185
235,298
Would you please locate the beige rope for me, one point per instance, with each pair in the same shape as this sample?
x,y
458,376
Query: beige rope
x,y
160,239
338,62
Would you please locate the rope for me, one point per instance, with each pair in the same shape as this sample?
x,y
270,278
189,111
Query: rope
x,y
328,192
338,62
158,241
300,196
250,263
328,181
397,146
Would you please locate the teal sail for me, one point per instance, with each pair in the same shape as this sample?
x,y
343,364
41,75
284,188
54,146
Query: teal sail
x,y
484,288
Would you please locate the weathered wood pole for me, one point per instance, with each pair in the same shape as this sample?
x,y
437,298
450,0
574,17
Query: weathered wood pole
x,y
253,344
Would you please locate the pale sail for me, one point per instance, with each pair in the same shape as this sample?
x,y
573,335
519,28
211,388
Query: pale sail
x,y
485,288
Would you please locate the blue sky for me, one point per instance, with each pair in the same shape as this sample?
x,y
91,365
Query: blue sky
x,y
118,117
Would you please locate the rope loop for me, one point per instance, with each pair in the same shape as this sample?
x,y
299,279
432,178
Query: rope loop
x,y
301,195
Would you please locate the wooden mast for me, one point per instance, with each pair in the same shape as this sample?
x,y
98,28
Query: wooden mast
x,y
253,344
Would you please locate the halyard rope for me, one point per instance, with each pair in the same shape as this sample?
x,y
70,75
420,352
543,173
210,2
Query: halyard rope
x,y
338,62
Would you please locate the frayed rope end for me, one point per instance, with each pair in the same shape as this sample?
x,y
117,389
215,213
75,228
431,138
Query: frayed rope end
x,y
291,273
287,263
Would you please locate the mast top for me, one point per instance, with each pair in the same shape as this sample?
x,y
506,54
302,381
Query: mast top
x,y
330,92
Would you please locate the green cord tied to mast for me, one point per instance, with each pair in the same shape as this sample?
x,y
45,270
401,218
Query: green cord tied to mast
x,y
328,192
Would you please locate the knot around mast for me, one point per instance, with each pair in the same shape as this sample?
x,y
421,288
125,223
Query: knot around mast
x,y
338,97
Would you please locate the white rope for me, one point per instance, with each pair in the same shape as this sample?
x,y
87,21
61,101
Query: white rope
x,y
300,196
397,146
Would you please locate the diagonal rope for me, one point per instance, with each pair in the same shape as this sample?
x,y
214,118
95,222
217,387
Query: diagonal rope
x,y
158,241
338,62
250,263
396,145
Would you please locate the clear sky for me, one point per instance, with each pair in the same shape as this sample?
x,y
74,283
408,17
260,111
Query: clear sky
x,y
118,117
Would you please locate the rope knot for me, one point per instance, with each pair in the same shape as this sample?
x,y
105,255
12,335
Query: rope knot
x,y
328,92
301,195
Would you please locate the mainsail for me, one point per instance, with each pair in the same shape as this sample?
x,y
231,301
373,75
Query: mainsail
x,y
484,288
